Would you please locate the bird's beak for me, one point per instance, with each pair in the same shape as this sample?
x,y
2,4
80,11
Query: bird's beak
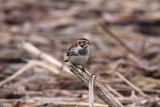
x,y
89,43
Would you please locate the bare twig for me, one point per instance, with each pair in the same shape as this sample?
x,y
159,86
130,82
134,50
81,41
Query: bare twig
x,y
100,90
91,91
45,57
36,52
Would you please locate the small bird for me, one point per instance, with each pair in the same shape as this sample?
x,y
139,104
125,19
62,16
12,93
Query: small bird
x,y
78,53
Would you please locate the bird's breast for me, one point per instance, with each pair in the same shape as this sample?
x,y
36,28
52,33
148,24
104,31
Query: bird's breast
x,y
84,51
79,60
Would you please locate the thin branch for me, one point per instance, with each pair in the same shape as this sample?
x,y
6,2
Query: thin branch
x,y
45,57
36,52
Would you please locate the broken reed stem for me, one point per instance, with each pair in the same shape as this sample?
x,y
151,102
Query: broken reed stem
x,y
100,90
45,57
130,84
36,52
91,90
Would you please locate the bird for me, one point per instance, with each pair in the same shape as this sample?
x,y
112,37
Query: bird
x,y
78,53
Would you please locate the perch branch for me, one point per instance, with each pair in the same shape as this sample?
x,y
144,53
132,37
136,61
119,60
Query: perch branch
x,y
100,90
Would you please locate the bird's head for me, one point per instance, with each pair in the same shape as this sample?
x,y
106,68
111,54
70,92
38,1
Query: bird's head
x,y
82,42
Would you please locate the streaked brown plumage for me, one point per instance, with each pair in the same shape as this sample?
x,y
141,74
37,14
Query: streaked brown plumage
x,y
78,53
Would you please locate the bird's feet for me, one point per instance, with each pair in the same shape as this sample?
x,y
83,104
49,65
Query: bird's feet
x,y
83,70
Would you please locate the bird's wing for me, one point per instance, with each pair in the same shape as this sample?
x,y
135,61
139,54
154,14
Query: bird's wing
x,y
69,53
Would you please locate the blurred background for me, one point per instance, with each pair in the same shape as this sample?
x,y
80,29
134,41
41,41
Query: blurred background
x,y
53,25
